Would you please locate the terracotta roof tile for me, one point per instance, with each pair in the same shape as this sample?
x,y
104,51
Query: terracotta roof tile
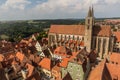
x,y
30,69
64,62
103,30
114,57
80,30
68,29
117,35
45,63
60,51
96,73
1,57
20,56
56,68
114,70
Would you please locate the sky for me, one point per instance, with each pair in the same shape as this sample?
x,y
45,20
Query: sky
x,y
57,9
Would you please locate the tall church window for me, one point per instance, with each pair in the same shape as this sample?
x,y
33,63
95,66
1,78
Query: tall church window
x,y
94,42
99,44
69,36
88,27
77,37
104,46
88,21
73,37
65,37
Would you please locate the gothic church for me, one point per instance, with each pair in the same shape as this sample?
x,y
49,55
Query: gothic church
x,y
90,36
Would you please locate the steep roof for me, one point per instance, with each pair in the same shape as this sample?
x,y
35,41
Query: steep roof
x,y
117,35
68,29
67,77
96,73
45,63
30,69
103,30
114,70
64,62
20,56
114,57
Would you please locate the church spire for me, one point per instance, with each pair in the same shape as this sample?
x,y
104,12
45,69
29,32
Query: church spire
x,y
90,12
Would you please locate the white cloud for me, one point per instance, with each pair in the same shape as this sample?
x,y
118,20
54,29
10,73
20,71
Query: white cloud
x,y
16,9
15,4
112,1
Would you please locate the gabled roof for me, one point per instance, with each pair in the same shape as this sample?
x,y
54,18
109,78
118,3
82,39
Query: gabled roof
x,y
67,77
97,72
114,70
1,57
117,35
64,62
56,68
45,63
20,56
103,30
68,29
114,57
30,69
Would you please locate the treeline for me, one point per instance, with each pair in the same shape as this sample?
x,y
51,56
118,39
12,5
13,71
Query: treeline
x,y
16,30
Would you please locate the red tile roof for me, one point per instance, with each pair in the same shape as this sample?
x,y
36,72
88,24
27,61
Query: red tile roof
x,y
96,73
114,57
60,51
20,56
45,63
114,70
64,62
68,29
80,30
117,35
30,69
103,30
1,57
56,68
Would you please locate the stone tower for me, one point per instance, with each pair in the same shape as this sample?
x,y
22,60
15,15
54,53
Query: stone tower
x,y
89,22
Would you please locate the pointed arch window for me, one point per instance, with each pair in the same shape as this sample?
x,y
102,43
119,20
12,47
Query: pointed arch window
x,y
88,27
88,21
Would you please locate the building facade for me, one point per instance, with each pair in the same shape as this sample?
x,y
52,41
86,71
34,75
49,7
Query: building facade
x,y
91,36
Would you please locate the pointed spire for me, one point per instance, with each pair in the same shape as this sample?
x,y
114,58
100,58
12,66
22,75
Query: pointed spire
x,y
90,12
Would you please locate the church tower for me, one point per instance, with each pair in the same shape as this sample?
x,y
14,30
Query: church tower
x,y
89,23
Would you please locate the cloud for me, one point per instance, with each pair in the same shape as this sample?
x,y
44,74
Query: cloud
x,y
57,9
15,4
112,1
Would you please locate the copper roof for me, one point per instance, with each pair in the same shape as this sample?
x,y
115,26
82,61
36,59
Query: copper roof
x,y
103,30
